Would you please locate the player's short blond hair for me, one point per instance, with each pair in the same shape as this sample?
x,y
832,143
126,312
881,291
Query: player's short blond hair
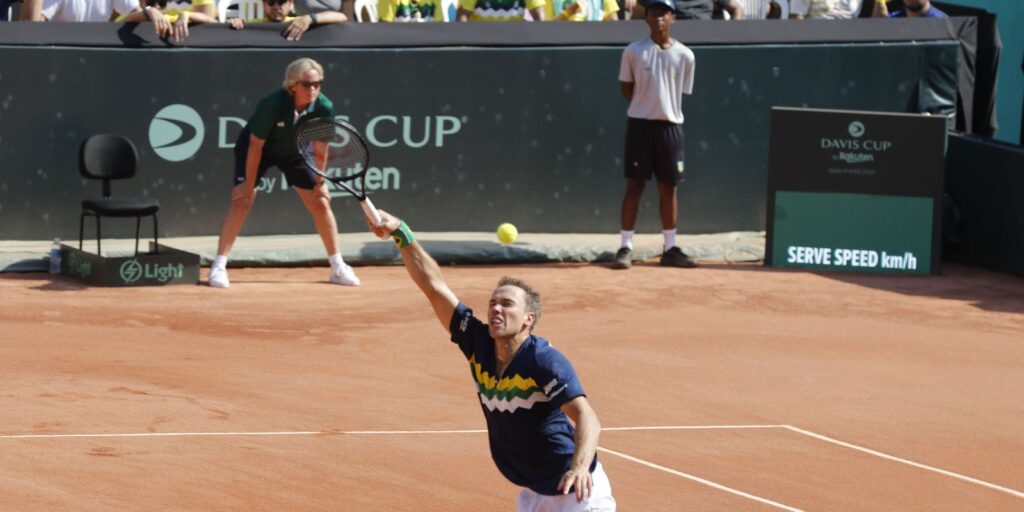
x,y
293,73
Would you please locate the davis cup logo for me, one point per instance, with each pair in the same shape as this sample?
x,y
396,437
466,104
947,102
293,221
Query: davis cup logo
x,y
131,271
176,132
856,129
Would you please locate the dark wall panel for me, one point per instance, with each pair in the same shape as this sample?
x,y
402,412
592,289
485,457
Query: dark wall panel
x,y
466,138
985,219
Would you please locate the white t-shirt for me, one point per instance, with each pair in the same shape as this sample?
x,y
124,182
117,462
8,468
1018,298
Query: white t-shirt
x,y
308,6
757,9
660,78
826,9
86,10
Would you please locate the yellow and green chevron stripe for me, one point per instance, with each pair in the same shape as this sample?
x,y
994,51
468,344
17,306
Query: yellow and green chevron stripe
x,y
507,394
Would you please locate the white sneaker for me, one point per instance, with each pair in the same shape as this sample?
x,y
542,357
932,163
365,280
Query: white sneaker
x,y
344,275
218,278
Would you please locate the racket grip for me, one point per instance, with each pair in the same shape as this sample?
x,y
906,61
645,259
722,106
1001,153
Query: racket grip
x,y
370,211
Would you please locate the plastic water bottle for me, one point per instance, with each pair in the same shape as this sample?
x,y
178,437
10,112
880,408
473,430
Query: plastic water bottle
x,y
55,256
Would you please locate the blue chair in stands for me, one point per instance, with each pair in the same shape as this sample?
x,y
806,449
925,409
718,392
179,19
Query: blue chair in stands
x,y
107,158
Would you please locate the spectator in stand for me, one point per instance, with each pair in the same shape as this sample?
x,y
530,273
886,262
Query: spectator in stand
x,y
171,19
274,11
705,9
281,11
318,12
77,10
581,10
912,9
824,9
403,11
760,9
626,8
513,10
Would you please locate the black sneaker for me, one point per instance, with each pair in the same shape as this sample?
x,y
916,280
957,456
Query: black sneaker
x,y
674,257
623,259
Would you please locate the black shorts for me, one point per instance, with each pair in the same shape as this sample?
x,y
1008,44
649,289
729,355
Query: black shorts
x,y
296,172
654,148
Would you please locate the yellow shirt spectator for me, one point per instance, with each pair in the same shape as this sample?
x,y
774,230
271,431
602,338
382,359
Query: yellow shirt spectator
x,y
409,10
499,10
173,10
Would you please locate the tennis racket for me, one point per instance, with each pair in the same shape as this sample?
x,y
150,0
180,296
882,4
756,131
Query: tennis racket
x,y
335,150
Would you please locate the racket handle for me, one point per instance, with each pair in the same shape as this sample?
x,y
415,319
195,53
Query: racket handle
x,y
370,211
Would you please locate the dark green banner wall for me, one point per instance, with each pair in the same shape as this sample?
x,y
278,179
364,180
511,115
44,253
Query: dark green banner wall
x,y
464,138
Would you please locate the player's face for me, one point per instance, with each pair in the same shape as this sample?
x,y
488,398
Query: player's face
x,y
506,314
276,10
660,18
305,91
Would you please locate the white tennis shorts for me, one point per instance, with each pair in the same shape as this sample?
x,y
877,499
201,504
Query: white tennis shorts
x,y
600,500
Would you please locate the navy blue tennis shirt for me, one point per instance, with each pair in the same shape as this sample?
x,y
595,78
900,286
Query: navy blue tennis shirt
x,y
531,439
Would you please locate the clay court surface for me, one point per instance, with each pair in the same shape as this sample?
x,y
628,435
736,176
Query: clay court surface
x,y
721,388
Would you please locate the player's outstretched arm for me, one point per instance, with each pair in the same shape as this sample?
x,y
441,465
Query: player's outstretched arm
x,y
421,266
588,429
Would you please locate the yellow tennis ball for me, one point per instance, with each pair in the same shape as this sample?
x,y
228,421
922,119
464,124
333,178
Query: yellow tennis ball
x,y
507,233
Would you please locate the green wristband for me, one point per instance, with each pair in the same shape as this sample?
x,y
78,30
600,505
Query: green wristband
x,y
403,236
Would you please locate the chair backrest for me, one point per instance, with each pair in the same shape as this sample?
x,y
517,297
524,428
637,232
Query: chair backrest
x,y
222,9
369,7
107,157
449,9
250,9
244,9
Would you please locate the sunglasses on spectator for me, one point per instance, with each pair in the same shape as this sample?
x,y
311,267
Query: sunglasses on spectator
x,y
156,3
311,84
276,2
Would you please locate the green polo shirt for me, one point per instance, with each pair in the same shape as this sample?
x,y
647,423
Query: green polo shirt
x,y
274,121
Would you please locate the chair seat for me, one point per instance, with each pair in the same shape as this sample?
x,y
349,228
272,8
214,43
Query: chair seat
x,y
121,207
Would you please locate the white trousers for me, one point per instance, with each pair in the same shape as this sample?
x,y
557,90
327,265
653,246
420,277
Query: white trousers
x,y
600,499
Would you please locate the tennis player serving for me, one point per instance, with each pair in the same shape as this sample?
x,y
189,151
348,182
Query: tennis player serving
x,y
528,391
268,140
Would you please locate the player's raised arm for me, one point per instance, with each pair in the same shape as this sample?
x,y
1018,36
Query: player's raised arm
x,y
420,265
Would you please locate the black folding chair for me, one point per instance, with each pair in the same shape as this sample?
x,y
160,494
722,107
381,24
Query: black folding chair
x,y
112,157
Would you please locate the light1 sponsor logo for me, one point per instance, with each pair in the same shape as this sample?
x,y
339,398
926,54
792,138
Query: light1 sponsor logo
x,y
176,132
134,270
78,266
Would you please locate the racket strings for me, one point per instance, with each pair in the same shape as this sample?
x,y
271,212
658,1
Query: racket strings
x,y
347,156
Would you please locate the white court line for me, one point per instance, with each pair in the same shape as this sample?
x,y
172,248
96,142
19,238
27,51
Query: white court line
x,y
791,428
918,465
699,480
163,434
689,427
410,432
251,434
352,432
